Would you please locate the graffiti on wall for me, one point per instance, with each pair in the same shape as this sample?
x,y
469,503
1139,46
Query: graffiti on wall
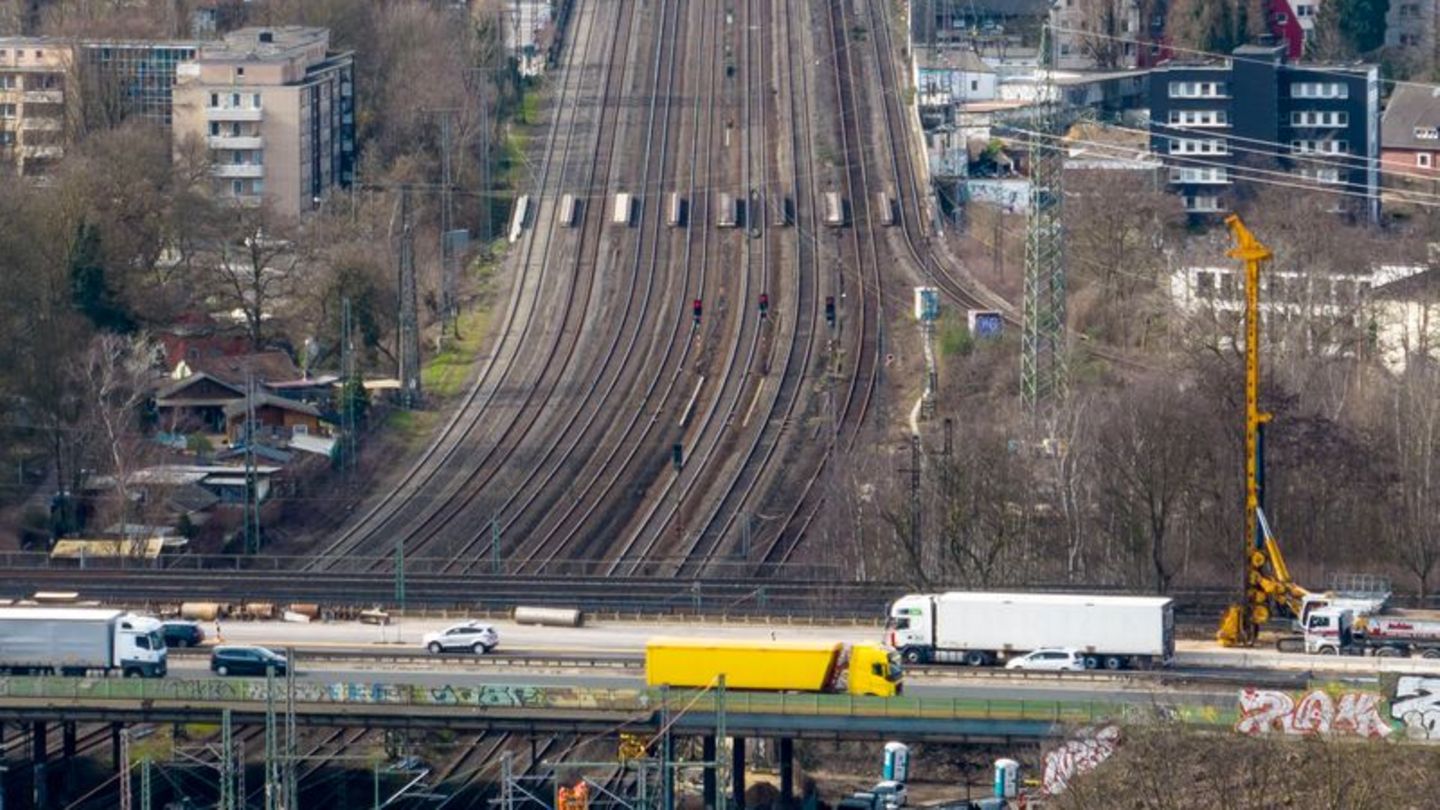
x,y
1417,707
1267,711
1083,754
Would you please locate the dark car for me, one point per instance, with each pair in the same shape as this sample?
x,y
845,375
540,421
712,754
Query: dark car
x,y
181,633
245,661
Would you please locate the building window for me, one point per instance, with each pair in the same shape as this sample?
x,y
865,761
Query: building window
x,y
1319,90
214,100
237,187
234,101
1198,90
255,102
1204,279
1427,133
1326,176
7,82
1423,160
214,129
1319,118
1313,147
1204,203
239,71
7,111
7,138
1198,146
1199,118
974,85
1201,175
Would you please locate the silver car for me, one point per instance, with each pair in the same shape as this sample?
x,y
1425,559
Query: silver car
x,y
472,636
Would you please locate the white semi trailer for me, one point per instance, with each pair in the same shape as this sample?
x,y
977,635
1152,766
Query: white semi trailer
x,y
79,641
982,629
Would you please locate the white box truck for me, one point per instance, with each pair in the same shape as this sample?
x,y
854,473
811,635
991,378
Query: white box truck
x,y
79,641
981,629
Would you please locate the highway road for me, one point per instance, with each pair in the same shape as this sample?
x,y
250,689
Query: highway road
x,y
612,638
956,686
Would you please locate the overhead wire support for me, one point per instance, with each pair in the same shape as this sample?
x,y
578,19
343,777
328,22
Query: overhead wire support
x,y
1043,368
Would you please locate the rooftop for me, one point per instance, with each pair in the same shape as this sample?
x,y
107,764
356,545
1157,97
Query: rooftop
x,y
951,59
1412,118
269,43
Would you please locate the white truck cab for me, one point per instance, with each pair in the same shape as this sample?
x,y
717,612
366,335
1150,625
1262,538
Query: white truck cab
x,y
140,646
910,625
1328,630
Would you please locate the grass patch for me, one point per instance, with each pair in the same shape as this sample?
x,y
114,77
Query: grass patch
x,y
530,105
445,374
955,338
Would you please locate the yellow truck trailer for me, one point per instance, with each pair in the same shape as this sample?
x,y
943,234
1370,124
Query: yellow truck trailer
x,y
774,666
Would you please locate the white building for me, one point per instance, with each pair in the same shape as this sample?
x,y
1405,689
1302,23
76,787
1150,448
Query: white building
x,y
1388,309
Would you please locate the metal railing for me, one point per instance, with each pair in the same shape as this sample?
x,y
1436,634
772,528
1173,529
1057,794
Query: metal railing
x,y
571,700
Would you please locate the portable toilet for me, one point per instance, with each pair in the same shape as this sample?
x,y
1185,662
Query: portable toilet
x,y
1007,778
897,762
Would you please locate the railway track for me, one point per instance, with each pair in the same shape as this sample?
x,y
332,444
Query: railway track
x,y
425,500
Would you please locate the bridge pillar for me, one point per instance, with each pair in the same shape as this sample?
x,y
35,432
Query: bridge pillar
x,y
708,789
40,757
68,746
116,729
737,772
786,755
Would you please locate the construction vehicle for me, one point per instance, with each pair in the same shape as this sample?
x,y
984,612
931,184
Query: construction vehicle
x,y
773,666
1268,587
981,629
1345,631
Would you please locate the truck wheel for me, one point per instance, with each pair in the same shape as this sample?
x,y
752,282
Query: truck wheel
x,y
1092,662
1431,653
1114,663
1329,651
1387,652
975,658
912,656
132,672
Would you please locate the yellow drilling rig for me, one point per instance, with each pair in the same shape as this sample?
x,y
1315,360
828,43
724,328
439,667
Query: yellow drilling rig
x,y
1268,585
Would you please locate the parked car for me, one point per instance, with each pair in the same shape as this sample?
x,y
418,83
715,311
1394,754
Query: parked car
x,y
1054,660
180,633
471,636
245,661
892,794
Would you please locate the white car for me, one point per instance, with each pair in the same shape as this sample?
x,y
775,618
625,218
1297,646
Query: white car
x,y
1063,660
471,636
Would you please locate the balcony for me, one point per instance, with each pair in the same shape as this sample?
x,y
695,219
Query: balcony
x,y
239,170
33,124
43,97
236,142
234,114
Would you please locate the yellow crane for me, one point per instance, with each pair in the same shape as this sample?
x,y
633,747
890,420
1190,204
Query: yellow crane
x,y
1267,579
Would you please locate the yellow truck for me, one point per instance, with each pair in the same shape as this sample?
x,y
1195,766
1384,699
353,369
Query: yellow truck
x,y
773,666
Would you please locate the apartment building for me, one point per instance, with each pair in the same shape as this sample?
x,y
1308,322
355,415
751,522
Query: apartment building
x,y
33,109
275,109
1410,29
132,78
1253,118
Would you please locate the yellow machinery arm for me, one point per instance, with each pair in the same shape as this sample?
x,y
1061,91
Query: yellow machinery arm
x,y
1267,579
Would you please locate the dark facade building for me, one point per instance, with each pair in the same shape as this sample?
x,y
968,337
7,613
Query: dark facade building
x,y
1220,126
136,78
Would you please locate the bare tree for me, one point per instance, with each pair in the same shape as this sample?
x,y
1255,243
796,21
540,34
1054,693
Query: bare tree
x,y
255,264
114,375
1414,534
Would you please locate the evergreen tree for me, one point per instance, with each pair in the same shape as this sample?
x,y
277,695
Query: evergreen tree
x,y
90,291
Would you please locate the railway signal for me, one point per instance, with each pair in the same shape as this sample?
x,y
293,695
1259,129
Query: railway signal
x,y
764,304
696,308
830,310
